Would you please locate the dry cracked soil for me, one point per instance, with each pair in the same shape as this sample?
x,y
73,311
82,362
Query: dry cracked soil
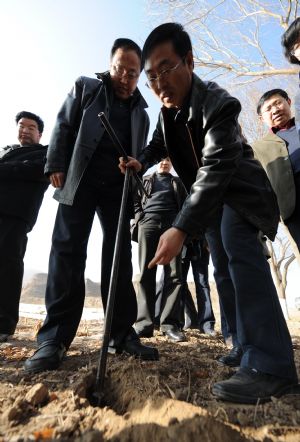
x,y
167,400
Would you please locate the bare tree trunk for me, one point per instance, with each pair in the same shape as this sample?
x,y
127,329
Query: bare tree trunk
x,y
279,275
292,243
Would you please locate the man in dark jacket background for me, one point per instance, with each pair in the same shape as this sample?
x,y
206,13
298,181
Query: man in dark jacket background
x,y
22,188
82,164
229,190
155,215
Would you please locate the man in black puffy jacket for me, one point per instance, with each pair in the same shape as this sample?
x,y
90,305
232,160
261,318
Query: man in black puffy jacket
x,y
22,188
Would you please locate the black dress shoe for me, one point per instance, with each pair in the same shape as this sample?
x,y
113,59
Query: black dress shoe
x,y
146,333
174,334
133,347
4,337
136,348
48,356
248,386
233,358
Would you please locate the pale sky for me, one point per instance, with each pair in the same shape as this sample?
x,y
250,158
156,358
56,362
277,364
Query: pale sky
x,y
45,46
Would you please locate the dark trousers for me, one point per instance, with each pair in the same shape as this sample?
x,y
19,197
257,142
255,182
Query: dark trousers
x,y
224,284
150,230
260,324
13,242
65,289
205,319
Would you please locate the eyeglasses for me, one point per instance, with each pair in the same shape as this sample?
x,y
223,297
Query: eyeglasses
x,y
278,104
121,73
152,81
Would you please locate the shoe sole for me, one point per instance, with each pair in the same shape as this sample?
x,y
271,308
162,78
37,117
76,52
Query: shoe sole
x,y
228,365
114,351
6,338
40,369
236,398
143,358
49,367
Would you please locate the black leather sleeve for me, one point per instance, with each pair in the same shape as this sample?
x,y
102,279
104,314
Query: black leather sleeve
x,y
221,154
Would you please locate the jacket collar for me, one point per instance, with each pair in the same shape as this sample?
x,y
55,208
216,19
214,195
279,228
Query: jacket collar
x,y
197,97
270,136
13,149
18,146
191,102
137,98
289,124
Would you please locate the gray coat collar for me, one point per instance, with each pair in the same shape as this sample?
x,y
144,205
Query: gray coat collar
x,y
137,96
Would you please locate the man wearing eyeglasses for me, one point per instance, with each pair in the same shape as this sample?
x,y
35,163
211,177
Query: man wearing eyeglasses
x,y
279,153
82,164
198,129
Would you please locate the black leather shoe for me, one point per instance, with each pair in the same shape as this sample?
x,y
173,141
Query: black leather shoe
x,y
174,334
132,346
4,337
248,386
146,333
233,358
137,349
48,356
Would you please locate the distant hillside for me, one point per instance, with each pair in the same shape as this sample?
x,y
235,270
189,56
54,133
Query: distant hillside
x,y
35,286
28,275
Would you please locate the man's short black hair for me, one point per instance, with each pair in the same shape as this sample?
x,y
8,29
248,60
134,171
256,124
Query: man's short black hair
x,y
31,116
289,39
267,95
173,32
127,45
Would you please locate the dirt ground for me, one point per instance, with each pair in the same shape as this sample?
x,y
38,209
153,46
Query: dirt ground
x,y
167,400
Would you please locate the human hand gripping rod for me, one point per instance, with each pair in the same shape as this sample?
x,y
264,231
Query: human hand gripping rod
x,y
98,393
121,150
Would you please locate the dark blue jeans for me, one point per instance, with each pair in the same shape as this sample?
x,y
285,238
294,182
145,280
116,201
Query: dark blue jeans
x,y
65,290
260,324
205,319
225,288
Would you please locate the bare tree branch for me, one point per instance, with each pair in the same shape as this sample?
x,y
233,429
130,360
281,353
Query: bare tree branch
x,y
285,270
236,38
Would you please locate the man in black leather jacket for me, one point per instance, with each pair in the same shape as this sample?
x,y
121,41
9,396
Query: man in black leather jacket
x,y
22,188
198,128
82,164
